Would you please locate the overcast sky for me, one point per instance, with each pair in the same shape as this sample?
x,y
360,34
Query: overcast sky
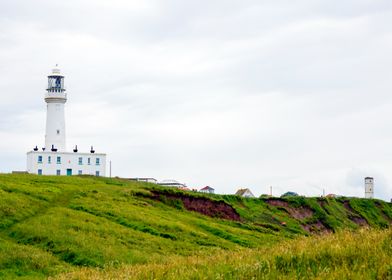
x,y
291,94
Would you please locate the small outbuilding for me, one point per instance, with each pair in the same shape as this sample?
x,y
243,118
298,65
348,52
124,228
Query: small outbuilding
x,y
207,189
244,193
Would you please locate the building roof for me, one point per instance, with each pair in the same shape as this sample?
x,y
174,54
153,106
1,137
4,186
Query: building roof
x,y
169,181
206,188
242,191
290,194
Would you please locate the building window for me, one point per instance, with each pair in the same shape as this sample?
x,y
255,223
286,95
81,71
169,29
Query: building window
x,y
58,160
39,171
96,173
80,172
97,161
80,161
58,172
39,159
49,159
89,161
58,132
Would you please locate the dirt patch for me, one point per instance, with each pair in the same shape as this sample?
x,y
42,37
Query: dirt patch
x,y
322,203
354,216
389,220
316,228
202,205
383,214
347,205
278,203
298,213
359,221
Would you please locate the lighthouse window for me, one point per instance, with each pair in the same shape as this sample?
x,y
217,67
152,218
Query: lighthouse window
x,y
88,161
58,82
58,131
97,161
39,159
58,160
80,161
49,159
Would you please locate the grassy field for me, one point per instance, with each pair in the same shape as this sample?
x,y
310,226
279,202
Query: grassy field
x,y
52,226
366,254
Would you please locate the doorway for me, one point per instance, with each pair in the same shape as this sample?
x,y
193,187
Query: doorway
x,y
69,172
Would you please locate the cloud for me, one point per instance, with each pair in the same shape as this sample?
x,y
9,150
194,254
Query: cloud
x,y
222,93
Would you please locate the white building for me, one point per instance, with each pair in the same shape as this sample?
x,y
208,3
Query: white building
x,y
172,183
244,193
369,187
53,158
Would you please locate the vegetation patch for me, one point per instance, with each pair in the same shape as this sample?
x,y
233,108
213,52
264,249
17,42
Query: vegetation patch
x,y
366,254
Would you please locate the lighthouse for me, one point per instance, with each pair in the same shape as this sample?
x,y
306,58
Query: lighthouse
x,y
55,99
53,157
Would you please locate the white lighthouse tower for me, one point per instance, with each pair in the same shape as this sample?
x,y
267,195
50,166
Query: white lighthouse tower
x,y
55,117
53,158
369,187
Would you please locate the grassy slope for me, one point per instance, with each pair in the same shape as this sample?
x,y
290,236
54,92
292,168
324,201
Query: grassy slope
x,y
50,225
364,254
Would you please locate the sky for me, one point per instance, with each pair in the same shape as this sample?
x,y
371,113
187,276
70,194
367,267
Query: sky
x,y
296,95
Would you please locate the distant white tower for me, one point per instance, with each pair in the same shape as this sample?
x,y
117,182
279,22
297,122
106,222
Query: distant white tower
x,y
55,117
369,187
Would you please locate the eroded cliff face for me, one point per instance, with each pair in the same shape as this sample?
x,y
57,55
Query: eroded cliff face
x,y
202,205
292,215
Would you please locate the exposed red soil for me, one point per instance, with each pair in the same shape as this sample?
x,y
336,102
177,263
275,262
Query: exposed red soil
x,y
359,221
298,213
383,214
386,217
205,206
316,228
322,203
347,205
353,216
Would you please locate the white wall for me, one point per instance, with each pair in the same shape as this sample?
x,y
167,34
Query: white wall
x,y
369,188
55,125
68,161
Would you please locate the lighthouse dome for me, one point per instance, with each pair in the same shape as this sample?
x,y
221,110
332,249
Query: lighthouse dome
x,y
56,71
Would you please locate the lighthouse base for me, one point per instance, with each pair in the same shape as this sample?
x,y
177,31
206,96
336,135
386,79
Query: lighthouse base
x,y
65,163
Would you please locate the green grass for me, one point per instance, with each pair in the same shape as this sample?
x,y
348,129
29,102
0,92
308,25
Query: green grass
x,y
52,224
365,254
